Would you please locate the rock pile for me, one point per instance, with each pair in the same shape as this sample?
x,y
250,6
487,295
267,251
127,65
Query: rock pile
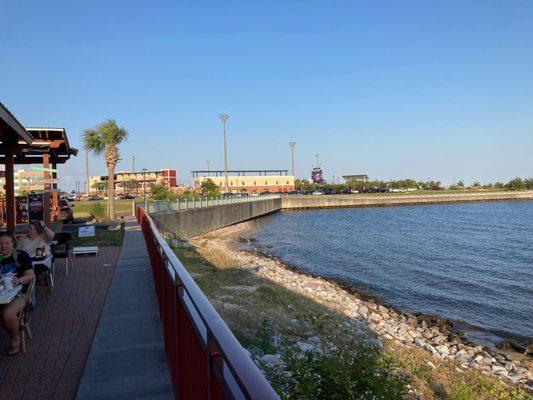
x,y
367,316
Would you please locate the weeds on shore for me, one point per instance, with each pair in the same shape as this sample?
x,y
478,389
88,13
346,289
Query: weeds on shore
x,y
354,370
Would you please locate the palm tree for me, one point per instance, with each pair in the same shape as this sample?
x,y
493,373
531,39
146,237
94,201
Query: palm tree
x,y
105,139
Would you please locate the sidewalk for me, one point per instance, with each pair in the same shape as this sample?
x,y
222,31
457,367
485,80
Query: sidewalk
x,y
126,357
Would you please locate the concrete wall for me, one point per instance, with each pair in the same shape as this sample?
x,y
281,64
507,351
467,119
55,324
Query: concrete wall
x,y
194,222
361,200
190,223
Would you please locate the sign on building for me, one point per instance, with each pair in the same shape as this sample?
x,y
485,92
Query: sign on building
x,y
36,206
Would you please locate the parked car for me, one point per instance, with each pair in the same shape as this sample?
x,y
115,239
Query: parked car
x,y
127,196
94,197
65,211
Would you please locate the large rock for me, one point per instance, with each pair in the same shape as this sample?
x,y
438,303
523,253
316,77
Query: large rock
x,y
443,350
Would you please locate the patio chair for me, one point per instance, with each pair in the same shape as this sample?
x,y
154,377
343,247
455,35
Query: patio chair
x,y
62,249
24,319
46,279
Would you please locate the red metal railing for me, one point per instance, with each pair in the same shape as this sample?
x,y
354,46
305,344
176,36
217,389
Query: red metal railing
x,y
205,360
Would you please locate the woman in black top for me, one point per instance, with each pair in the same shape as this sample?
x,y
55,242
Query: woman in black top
x,y
20,263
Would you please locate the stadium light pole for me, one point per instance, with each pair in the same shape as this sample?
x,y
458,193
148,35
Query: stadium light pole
x,y
292,144
144,185
224,118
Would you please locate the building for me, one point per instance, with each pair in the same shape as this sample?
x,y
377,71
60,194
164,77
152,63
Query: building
x,y
356,178
26,181
250,181
135,182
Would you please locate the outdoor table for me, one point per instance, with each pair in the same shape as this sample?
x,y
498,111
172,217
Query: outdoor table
x,y
85,250
7,295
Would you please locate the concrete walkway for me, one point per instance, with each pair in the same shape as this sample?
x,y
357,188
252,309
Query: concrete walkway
x,y
125,361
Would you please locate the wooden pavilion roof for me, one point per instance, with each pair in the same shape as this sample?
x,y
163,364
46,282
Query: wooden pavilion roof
x,y
11,130
52,141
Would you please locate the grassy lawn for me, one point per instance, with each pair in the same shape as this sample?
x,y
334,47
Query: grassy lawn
x,y
101,239
99,208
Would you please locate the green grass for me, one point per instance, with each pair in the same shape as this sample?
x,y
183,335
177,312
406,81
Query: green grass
x,y
98,208
101,239
432,192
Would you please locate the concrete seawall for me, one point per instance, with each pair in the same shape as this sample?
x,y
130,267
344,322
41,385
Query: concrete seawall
x,y
360,200
194,222
188,223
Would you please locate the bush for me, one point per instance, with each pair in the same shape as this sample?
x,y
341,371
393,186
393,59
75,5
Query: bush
x,y
516,184
98,210
161,192
355,370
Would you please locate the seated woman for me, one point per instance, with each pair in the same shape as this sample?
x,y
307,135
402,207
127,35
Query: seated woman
x,y
36,243
18,262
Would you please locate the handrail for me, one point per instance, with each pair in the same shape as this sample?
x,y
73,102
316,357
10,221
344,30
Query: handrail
x,y
154,206
216,365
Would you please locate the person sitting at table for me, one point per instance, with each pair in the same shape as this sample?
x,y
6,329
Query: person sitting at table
x,y
36,243
18,262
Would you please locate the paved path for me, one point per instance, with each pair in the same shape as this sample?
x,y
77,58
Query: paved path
x,y
63,328
125,361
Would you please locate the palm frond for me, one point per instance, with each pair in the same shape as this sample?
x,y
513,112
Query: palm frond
x,y
106,134
92,141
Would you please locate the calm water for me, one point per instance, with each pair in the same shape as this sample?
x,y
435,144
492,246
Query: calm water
x,y
471,263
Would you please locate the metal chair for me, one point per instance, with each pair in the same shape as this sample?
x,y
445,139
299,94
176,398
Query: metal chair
x,y
63,240
24,320
46,279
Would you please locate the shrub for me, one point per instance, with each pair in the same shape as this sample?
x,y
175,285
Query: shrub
x,y
356,370
516,184
97,210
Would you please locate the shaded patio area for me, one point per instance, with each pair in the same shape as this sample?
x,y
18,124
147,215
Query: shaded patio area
x,y
63,329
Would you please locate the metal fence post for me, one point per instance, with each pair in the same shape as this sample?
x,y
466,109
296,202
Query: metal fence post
x,y
186,204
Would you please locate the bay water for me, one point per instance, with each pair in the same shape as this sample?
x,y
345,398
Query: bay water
x,y
471,263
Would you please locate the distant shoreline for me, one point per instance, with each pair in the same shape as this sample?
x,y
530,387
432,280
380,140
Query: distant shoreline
x,y
299,202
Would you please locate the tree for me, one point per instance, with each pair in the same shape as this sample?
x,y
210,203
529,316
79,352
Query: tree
x,y
208,186
104,139
516,184
161,192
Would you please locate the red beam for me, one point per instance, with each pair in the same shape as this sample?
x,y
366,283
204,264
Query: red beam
x,y
10,192
46,202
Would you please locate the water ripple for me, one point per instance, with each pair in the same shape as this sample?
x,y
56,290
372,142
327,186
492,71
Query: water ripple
x,y
467,262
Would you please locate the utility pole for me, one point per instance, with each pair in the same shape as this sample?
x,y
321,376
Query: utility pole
x,y
208,162
133,164
224,118
144,184
317,162
292,144
87,169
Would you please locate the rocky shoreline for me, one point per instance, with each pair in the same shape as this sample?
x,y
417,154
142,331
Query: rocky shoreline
x,y
421,332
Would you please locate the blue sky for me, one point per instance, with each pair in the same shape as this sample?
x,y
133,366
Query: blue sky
x,y
421,89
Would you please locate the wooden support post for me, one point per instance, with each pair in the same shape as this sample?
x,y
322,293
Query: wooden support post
x,y
55,195
10,192
46,197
